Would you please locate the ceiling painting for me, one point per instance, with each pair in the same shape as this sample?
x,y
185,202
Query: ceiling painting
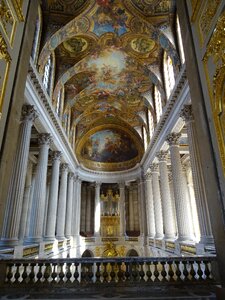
x,y
112,148
106,57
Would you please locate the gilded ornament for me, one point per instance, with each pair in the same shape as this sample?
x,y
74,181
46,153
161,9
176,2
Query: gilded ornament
x,y
17,4
4,50
5,14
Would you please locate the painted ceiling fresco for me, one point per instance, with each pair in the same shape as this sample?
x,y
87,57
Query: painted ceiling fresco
x,y
104,58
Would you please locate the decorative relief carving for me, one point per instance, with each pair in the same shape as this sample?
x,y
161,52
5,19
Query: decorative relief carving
x,y
207,15
5,60
154,168
64,167
7,21
56,155
29,113
45,139
214,58
162,155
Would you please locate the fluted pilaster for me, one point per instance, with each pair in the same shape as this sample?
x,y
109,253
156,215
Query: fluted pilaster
x,y
167,209
61,213
150,206
181,201
142,208
88,210
131,209
198,182
14,202
157,201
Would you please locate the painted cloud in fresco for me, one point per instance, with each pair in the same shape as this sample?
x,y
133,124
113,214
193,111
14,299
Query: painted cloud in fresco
x,y
109,146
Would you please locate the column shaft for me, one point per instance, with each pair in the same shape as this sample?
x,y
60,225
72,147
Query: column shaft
x,y
131,209
10,232
69,206
150,207
61,213
122,209
97,209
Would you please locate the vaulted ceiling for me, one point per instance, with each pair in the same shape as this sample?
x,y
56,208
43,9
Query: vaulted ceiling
x,y
108,56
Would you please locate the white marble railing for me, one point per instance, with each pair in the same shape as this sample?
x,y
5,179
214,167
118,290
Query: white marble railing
x,y
89,271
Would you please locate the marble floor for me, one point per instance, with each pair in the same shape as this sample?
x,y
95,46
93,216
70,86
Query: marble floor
x,y
194,292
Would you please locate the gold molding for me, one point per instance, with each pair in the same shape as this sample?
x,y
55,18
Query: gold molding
x,y
196,4
214,58
5,61
17,4
7,21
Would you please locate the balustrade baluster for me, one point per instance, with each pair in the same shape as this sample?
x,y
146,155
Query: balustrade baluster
x,y
112,273
24,274
32,273
76,273
199,272
120,273
39,273
134,271
156,272
98,273
54,273
192,271
47,272
68,272
170,271
61,273
149,272
207,271
127,272
83,273
105,273
178,272
90,274
17,273
9,273
163,272
185,271
141,272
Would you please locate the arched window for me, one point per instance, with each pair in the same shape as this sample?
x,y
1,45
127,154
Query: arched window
x,y
47,75
180,42
37,37
158,103
168,74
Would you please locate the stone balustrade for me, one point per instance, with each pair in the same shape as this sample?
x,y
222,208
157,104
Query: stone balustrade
x,y
118,271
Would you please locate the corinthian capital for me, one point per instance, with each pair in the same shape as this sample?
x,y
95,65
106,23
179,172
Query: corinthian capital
x,y
45,139
186,113
162,155
29,113
154,168
56,155
64,167
173,138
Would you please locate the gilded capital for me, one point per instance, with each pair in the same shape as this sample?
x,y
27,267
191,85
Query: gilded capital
x,y
29,113
186,113
45,139
56,155
173,138
162,155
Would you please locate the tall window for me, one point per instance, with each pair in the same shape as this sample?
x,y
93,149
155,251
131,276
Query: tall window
x,y
158,103
59,103
168,74
180,43
47,74
151,123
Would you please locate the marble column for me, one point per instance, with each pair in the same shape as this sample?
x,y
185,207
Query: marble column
x,y
61,211
131,209
181,201
69,206
167,208
198,182
53,197
157,202
150,206
39,196
122,209
26,200
83,207
88,210
97,209
142,208
14,202
78,206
